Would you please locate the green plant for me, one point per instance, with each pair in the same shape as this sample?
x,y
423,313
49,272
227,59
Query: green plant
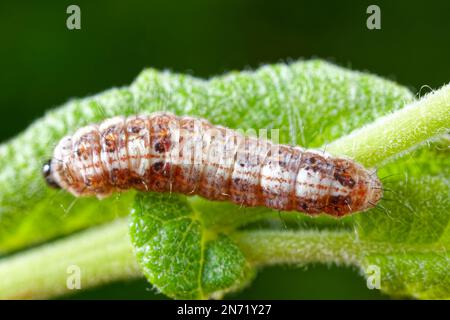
x,y
193,248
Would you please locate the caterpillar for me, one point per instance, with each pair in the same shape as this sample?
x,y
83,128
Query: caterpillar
x,y
162,152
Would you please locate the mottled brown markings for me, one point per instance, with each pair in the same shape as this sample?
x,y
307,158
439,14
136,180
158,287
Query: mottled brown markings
x,y
230,167
343,176
109,139
162,146
134,129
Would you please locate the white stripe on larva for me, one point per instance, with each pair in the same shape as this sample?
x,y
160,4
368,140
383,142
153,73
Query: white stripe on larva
x,y
61,158
306,183
137,144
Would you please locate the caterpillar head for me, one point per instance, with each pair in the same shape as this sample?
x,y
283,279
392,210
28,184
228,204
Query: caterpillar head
x,y
48,175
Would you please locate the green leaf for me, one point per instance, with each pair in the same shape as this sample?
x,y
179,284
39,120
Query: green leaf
x,y
181,243
310,102
414,222
177,253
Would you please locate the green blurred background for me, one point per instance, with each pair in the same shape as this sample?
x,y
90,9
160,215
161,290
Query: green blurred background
x,y
43,64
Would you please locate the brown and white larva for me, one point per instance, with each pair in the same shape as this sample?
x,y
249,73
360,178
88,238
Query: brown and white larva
x,y
165,153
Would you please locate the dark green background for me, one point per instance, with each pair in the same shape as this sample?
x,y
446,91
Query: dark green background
x,y
43,64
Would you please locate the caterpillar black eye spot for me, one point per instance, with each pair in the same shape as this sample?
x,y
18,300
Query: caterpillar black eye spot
x,y
47,174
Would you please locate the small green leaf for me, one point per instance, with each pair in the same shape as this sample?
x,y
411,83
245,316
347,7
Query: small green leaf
x,y
225,267
178,255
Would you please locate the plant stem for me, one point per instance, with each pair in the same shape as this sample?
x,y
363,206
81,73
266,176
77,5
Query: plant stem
x,y
103,254
399,131
300,247
269,247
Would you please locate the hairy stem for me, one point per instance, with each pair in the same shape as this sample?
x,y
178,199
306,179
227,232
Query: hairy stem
x,y
269,247
302,247
102,254
399,131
